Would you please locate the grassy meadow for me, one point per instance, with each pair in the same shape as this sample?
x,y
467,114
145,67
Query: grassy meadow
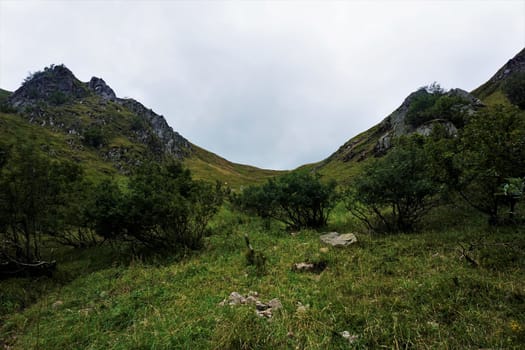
x,y
408,291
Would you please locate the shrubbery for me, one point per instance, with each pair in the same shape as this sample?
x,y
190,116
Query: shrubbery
x,y
299,200
42,199
161,207
432,102
393,193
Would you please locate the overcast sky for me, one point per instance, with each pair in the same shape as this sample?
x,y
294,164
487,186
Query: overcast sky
x,y
271,84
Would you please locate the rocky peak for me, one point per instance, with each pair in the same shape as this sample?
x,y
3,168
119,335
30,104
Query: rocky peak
x,y
397,125
99,87
55,84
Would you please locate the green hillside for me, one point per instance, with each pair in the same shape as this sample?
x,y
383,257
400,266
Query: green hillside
x,y
105,134
343,164
429,204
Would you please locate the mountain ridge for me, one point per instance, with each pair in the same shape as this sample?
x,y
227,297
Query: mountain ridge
x,y
376,140
121,131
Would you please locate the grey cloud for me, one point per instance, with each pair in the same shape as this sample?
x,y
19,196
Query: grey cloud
x,y
272,84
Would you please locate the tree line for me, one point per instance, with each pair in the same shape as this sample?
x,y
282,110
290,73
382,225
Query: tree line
x,y
484,166
45,200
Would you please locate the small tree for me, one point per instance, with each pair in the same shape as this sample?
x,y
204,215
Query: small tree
x,y
162,207
299,200
393,193
491,150
33,192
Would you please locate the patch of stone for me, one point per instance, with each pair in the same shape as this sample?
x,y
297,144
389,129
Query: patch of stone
x,y
316,267
338,240
301,309
348,336
262,309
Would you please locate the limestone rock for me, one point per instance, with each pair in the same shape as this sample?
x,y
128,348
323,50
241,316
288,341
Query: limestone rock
x,y
55,84
99,86
275,304
339,240
57,304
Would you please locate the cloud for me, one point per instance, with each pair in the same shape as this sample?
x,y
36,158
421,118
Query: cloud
x,y
272,84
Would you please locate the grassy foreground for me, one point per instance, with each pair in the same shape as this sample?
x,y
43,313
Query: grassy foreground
x,y
399,292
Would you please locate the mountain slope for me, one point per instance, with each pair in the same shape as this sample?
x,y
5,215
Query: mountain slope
x,y
88,121
491,91
348,159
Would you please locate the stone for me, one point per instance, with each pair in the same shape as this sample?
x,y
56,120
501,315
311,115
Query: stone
x,y
57,304
350,337
275,304
236,299
99,86
339,240
324,250
251,299
302,266
261,306
265,313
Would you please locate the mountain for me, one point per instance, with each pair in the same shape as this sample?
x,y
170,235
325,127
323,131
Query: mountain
x,y
87,122
491,91
419,113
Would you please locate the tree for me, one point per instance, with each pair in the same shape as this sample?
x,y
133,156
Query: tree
x,y
33,193
432,102
491,151
393,193
300,200
161,207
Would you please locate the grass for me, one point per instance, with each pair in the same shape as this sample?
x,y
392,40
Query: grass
x,y
208,166
403,291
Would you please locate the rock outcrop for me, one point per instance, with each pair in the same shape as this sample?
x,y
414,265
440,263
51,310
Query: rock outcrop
x,y
55,84
396,124
171,141
99,87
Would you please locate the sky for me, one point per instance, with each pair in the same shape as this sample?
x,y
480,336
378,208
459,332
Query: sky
x,y
275,84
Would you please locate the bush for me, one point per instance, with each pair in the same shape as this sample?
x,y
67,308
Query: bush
x,y
431,103
299,200
34,192
394,192
162,207
94,136
491,154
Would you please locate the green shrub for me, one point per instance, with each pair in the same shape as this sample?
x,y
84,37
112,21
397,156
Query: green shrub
x,y
393,193
299,200
162,207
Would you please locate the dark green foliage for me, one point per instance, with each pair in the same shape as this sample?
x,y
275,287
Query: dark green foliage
x,y
394,192
161,207
491,152
431,103
299,200
34,190
514,89
94,136
57,98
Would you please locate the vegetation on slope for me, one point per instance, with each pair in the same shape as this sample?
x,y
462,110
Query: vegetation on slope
x,y
388,291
